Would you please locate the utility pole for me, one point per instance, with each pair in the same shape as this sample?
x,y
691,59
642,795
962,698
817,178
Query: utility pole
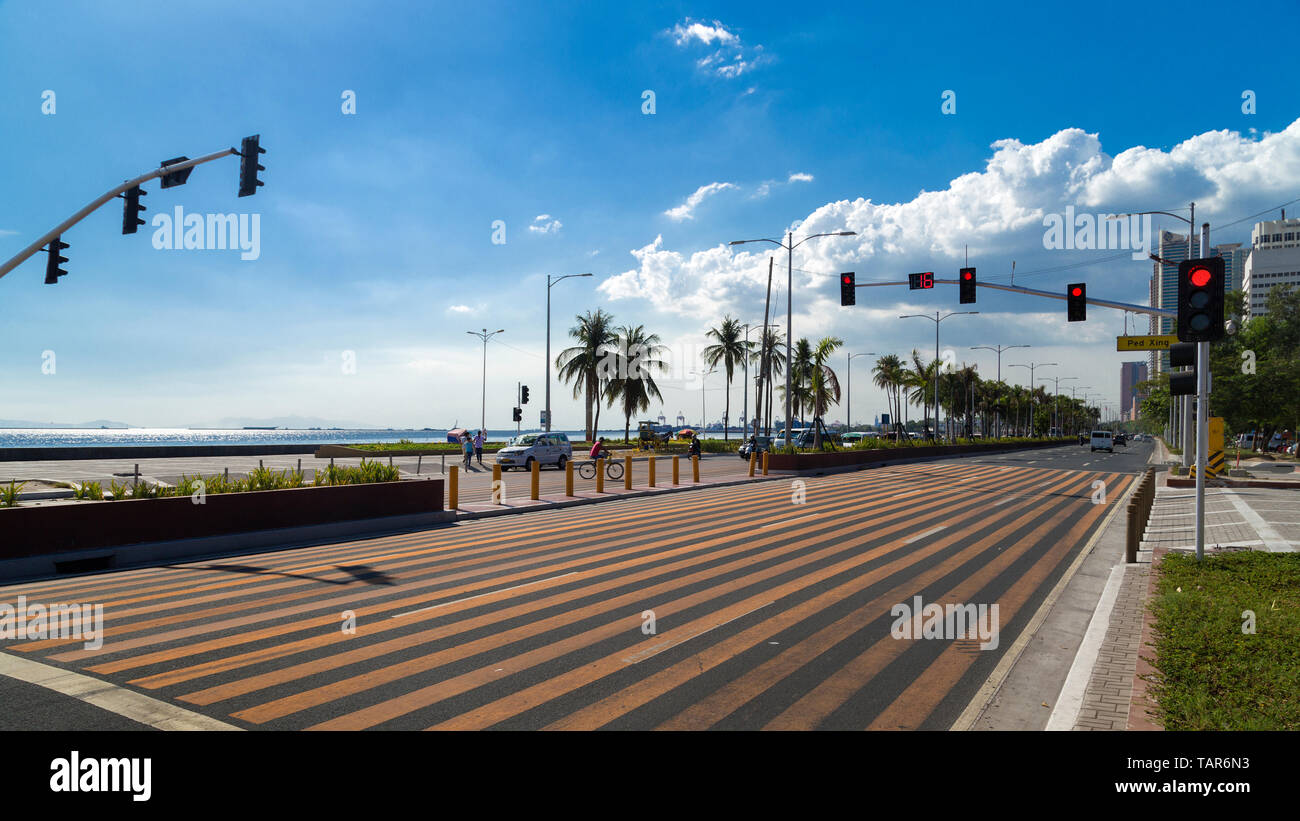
x,y
485,336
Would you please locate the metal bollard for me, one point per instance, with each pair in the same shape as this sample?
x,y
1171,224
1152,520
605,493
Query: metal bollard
x,y
568,478
764,463
753,459
419,460
675,473
453,489
695,469
534,490
496,482
627,472
651,465
600,475
1133,536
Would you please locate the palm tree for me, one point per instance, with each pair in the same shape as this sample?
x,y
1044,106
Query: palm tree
x,y
823,384
632,385
920,378
581,364
889,378
773,349
730,349
801,378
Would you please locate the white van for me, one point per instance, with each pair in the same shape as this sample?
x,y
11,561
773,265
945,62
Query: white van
x,y
542,448
1102,440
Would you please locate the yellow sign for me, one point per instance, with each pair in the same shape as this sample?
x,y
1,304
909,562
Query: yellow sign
x,y
1216,433
1145,343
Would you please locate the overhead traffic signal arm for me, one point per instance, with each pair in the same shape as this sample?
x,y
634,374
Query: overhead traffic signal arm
x,y
916,281
170,169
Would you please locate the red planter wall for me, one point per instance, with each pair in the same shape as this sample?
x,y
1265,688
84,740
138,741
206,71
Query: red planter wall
x,y
34,531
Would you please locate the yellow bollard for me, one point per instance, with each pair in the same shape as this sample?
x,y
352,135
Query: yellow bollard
x,y
535,490
627,472
695,469
652,470
675,474
497,487
600,475
453,490
764,463
568,478
753,459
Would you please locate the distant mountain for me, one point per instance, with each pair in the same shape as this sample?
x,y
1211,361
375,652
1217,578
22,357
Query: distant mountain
x,y
295,422
94,423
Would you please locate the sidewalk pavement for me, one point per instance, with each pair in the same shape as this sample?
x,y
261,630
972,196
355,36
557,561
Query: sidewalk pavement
x,y
1115,654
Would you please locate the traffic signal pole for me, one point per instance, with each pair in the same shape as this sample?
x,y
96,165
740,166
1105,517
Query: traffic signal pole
x,y
1202,417
46,238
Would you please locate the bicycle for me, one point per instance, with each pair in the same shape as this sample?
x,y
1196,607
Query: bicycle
x,y
613,470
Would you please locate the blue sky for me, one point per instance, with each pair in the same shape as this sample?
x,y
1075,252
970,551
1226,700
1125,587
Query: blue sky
x,y
376,228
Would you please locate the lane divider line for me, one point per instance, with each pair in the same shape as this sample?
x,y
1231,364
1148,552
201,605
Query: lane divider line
x,y
481,595
655,650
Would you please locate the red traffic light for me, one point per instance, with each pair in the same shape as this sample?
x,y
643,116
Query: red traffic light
x,y
1076,291
967,275
1200,277
847,279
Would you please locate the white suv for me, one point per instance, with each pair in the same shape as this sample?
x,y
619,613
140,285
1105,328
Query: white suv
x,y
1102,440
542,448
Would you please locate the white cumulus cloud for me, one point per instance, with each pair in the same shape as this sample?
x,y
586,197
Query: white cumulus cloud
x,y
543,224
686,210
730,58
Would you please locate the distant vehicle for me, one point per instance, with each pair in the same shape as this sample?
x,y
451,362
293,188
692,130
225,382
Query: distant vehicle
x,y
762,444
1121,439
797,434
542,448
1102,440
856,437
651,433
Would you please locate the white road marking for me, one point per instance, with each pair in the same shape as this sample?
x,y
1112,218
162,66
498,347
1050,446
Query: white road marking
x,y
665,645
1070,699
1004,501
787,521
106,696
929,532
480,595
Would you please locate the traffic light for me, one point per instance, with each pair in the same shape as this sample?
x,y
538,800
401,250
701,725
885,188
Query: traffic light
x,y
518,415
1200,300
52,269
966,284
1182,354
175,178
248,167
1076,302
848,289
131,212
523,395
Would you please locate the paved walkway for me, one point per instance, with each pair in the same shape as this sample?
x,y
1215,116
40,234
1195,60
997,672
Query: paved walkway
x,y
1253,518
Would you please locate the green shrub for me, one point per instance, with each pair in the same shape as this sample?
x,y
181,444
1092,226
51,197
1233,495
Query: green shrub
x,y
9,495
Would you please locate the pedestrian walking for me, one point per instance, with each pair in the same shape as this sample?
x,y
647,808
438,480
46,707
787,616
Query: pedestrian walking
x,y
478,446
468,447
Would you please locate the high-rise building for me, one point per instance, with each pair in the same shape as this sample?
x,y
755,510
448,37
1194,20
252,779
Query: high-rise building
x,y
1274,260
1131,374
1172,249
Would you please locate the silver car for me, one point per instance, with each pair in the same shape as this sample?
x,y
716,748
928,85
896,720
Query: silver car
x,y
542,448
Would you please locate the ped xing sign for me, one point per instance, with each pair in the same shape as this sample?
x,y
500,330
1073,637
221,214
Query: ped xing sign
x,y
1145,343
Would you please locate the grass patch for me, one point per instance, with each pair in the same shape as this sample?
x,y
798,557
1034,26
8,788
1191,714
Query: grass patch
x,y
9,495
1211,675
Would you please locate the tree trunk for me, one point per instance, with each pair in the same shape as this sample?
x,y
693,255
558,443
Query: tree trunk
x,y
726,413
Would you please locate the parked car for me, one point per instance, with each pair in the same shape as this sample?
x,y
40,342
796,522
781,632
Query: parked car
x,y
542,448
797,433
762,444
1101,440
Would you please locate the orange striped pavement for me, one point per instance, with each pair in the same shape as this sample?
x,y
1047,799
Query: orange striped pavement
x,y
770,613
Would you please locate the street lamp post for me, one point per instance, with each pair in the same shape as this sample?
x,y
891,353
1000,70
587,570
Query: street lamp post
x,y
1031,367
1074,390
748,326
789,245
485,336
936,319
702,375
549,283
848,370
999,349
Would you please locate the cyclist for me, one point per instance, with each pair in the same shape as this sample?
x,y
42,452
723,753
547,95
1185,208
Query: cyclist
x,y
598,449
